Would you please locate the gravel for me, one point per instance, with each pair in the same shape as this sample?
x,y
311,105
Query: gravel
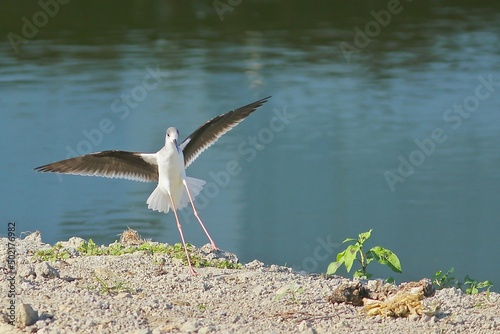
x,y
144,293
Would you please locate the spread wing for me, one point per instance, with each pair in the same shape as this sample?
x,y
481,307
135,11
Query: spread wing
x,y
113,164
211,131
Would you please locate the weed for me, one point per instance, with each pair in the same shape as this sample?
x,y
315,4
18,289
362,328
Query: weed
x,y
292,290
56,253
354,252
469,286
473,286
118,286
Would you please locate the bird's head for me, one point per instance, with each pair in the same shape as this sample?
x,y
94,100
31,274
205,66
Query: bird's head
x,y
172,136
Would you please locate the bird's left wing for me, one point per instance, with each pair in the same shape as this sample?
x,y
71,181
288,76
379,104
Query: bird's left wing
x,y
113,164
211,131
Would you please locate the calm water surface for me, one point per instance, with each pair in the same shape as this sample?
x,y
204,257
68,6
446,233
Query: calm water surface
x,y
314,161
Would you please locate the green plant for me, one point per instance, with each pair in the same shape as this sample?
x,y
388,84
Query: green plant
x,y
56,253
469,286
292,290
176,251
473,286
445,280
118,286
354,252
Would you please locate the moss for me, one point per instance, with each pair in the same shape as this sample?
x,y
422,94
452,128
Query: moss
x,y
176,251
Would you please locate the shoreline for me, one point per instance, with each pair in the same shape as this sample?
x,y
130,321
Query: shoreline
x,y
152,292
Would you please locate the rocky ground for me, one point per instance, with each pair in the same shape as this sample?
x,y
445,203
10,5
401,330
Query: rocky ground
x,y
143,292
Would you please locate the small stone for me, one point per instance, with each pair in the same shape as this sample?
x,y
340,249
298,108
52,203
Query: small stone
x,y
35,237
41,324
205,330
255,264
188,326
26,271
25,315
45,270
73,242
259,290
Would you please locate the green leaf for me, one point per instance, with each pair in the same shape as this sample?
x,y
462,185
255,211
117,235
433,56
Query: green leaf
x,y
333,267
340,256
364,236
485,284
386,257
350,256
349,239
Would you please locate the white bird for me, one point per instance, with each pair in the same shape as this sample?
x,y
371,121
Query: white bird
x,y
167,166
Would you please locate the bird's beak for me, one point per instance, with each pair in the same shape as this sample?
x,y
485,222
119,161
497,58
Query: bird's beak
x,y
175,142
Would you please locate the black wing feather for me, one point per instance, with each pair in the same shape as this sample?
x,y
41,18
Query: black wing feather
x,y
112,164
207,134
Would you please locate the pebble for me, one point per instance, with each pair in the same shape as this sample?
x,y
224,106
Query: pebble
x,y
25,315
189,326
45,270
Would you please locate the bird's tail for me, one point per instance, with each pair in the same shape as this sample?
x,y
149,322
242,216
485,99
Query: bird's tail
x,y
160,201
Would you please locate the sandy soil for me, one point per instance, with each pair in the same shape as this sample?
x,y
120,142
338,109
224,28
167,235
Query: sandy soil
x,y
153,293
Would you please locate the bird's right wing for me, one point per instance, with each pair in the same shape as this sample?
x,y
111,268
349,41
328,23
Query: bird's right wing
x,y
113,164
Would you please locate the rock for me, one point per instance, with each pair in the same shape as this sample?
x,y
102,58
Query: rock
x,y
26,271
255,264
45,270
25,315
188,326
35,237
73,242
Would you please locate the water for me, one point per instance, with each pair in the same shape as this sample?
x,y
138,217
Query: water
x,y
312,163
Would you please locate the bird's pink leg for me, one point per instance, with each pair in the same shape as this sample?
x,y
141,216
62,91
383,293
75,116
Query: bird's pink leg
x,y
182,236
214,246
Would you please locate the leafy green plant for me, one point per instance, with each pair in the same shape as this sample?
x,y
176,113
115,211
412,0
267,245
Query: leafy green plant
x,y
469,286
56,253
354,252
443,280
473,286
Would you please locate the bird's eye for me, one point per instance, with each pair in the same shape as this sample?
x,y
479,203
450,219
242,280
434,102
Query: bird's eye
x,y
168,134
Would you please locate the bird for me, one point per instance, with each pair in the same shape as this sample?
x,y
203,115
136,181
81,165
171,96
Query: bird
x,y
167,166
